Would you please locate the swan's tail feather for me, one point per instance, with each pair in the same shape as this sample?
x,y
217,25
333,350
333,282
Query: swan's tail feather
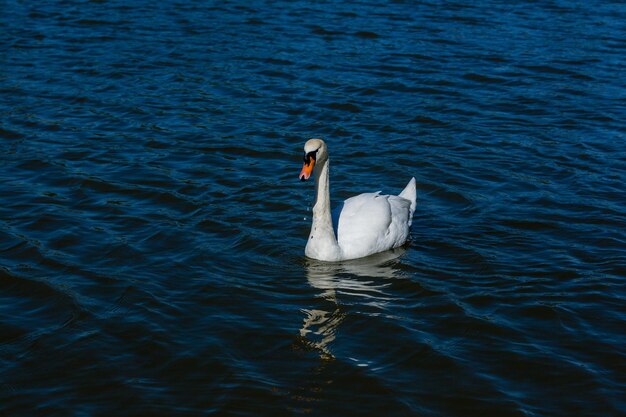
x,y
410,193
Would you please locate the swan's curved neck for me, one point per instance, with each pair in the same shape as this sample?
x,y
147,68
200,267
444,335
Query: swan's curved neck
x,y
322,190
322,243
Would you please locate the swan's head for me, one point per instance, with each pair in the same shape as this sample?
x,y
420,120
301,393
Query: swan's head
x,y
314,152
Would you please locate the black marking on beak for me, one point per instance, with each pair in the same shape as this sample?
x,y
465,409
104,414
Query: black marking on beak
x,y
311,155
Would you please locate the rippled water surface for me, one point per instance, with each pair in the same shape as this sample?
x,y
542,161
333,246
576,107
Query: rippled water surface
x,y
152,225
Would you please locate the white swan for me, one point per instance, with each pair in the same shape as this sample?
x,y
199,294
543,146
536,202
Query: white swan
x,y
363,225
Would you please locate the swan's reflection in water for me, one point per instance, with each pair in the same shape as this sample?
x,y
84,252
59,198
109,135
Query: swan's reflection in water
x,y
362,279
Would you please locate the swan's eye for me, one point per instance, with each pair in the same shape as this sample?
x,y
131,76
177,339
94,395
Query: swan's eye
x,y
308,156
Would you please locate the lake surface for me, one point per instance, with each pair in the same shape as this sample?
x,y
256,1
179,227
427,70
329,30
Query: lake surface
x,y
152,225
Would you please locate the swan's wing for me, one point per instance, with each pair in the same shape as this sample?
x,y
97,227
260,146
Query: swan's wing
x,y
363,217
401,215
370,223
410,193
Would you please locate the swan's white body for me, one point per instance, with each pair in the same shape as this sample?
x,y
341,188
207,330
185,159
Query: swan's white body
x,y
363,225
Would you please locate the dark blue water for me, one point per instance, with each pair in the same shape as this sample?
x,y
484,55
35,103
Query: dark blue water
x,y
152,226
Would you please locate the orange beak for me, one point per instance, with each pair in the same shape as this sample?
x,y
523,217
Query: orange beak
x,y
306,170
